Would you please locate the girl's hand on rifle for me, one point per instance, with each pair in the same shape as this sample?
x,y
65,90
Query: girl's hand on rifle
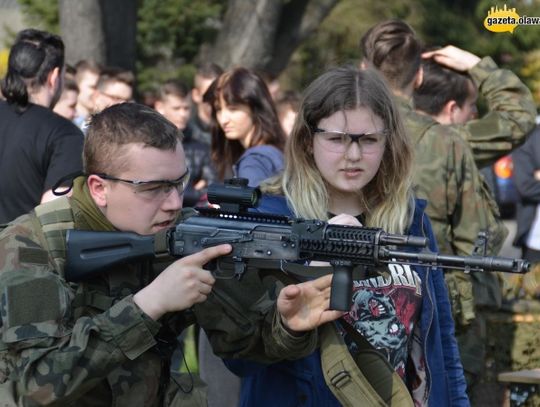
x,y
305,306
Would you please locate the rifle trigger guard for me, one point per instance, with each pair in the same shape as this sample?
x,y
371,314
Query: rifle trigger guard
x,y
239,267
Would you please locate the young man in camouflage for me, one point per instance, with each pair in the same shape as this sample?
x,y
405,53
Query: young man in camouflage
x,y
448,156
107,340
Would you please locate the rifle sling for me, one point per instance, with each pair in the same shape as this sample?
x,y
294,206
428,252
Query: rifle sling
x,y
368,381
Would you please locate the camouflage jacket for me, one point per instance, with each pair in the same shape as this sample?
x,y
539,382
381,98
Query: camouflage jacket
x,y
89,344
460,205
511,114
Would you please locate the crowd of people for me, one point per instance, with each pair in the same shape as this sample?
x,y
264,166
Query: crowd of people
x,y
394,143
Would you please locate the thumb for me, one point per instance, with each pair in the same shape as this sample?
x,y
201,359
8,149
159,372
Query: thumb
x,y
206,255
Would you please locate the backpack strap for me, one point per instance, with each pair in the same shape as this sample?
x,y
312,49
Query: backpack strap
x,y
54,218
368,381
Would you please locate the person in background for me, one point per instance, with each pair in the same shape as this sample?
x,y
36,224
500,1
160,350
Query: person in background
x,y
201,115
247,141
247,138
287,107
86,76
114,86
67,104
37,147
526,160
174,103
350,161
449,157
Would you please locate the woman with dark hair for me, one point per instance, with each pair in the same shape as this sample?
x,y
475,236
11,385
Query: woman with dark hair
x,y
247,139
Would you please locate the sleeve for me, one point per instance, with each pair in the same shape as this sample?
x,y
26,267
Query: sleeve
x,y
280,345
511,115
457,385
525,160
241,320
46,353
64,153
256,168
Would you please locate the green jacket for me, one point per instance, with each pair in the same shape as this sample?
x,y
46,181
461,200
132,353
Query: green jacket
x,y
511,114
459,202
89,344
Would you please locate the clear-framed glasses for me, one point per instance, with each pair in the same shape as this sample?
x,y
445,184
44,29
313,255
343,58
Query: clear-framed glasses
x,y
339,141
156,189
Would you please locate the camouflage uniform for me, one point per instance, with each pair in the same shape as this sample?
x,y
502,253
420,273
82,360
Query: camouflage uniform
x,y
459,202
89,344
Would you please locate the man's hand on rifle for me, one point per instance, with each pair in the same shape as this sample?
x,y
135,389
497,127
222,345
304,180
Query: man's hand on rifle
x,y
180,285
305,306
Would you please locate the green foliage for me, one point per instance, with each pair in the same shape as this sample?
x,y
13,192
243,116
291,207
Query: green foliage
x,y
42,14
170,33
337,40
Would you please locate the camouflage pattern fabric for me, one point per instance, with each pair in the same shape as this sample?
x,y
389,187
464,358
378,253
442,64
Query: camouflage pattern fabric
x,y
88,344
511,113
460,204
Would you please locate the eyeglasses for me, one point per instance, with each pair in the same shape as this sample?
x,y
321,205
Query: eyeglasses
x,y
114,98
158,189
339,141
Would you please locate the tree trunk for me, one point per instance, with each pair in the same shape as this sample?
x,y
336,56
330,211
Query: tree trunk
x,y
82,30
120,27
247,33
263,34
101,30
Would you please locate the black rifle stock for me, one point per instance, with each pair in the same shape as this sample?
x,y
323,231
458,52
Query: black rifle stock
x,y
271,242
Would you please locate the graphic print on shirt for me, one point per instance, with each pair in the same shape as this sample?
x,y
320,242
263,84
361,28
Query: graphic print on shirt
x,y
385,309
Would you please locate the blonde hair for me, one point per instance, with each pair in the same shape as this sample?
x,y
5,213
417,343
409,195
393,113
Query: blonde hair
x,y
387,197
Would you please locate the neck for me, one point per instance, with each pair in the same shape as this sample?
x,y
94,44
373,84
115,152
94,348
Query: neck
x,y
347,203
40,97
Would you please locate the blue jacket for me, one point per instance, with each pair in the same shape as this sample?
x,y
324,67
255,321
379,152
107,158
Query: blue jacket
x,y
301,382
259,163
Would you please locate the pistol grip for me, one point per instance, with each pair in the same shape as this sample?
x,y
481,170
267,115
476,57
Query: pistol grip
x,y
341,293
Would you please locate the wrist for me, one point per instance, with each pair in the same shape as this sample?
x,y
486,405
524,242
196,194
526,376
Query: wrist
x,y
290,331
148,305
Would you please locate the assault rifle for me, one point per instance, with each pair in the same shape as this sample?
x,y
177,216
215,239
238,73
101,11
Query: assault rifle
x,y
269,242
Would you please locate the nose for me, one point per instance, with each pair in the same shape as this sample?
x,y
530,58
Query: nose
x,y
174,201
222,117
354,151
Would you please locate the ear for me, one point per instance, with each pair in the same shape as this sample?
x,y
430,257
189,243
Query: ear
x,y
445,116
363,65
54,77
419,77
196,96
158,106
98,190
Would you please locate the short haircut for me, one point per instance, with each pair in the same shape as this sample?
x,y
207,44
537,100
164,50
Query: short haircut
x,y
118,126
34,55
208,70
173,88
439,86
114,74
290,99
84,66
393,49
70,84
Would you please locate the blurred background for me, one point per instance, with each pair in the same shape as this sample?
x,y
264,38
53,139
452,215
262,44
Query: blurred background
x,y
290,41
